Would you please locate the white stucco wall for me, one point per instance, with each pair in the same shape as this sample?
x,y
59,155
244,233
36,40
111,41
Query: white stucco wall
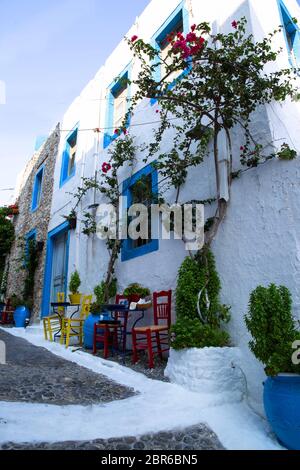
x,y
258,242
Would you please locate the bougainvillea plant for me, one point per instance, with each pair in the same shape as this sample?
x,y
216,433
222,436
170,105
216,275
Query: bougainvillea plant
x,y
220,81
209,85
7,236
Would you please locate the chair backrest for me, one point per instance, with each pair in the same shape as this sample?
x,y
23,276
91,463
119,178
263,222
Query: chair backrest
x,y
60,298
121,316
86,306
120,297
162,309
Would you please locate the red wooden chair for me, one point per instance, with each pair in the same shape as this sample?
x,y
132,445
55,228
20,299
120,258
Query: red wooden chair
x,y
112,334
7,317
154,338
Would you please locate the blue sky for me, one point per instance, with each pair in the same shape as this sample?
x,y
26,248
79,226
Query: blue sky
x,y
49,50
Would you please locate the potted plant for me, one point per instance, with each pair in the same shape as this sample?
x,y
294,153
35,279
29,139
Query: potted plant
x,y
22,308
134,292
274,335
74,284
71,219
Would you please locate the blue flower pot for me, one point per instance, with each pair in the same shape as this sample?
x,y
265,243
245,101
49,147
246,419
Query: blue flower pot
x,y
88,330
21,314
282,406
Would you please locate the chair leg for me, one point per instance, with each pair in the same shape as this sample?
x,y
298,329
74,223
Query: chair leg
x,y
80,334
95,341
45,330
150,349
68,331
115,340
50,330
106,341
134,348
158,345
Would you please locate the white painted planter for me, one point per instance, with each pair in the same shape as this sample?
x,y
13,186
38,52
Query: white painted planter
x,y
212,371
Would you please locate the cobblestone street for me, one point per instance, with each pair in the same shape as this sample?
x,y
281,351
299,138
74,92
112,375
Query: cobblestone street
x,y
35,375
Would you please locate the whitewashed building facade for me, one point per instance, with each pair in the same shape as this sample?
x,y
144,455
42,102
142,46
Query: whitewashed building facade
x,y
258,243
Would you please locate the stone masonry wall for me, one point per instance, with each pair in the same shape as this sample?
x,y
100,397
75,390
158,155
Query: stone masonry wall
x,y
38,220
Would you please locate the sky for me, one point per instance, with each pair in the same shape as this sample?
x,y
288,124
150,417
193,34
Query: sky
x,y
49,50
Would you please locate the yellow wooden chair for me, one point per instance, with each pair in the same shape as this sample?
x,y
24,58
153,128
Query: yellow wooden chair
x,y
74,326
52,322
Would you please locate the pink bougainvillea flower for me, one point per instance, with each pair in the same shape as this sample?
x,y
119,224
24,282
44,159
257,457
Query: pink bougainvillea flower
x,y
117,132
191,37
194,26
234,24
124,130
187,52
196,49
157,111
134,38
106,167
242,148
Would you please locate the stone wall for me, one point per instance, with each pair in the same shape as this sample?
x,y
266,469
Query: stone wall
x,y
38,220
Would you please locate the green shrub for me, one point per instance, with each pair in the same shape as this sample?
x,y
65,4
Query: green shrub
x,y
191,333
137,289
195,275
74,283
270,322
100,294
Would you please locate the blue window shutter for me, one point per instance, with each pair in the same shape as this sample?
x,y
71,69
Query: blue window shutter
x,y
109,135
180,12
37,189
65,165
291,33
128,252
64,173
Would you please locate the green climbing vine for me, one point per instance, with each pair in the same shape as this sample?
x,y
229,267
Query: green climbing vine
x,y
199,314
7,236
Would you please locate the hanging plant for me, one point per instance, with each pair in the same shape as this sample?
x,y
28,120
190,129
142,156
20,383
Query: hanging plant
x,y
71,219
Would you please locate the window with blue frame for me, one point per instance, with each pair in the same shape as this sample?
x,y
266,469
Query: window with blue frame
x,y
68,167
29,238
118,101
37,189
177,22
141,188
292,35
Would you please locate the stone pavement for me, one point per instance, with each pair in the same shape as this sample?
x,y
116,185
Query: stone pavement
x,y
192,438
35,375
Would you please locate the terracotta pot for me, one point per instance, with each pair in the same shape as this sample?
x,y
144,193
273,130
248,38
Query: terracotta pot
x,y
72,223
133,298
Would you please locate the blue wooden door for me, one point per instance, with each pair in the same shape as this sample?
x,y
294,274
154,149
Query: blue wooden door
x,y
59,265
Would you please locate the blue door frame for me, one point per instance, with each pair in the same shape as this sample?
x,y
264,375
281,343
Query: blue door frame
x,y
48,267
